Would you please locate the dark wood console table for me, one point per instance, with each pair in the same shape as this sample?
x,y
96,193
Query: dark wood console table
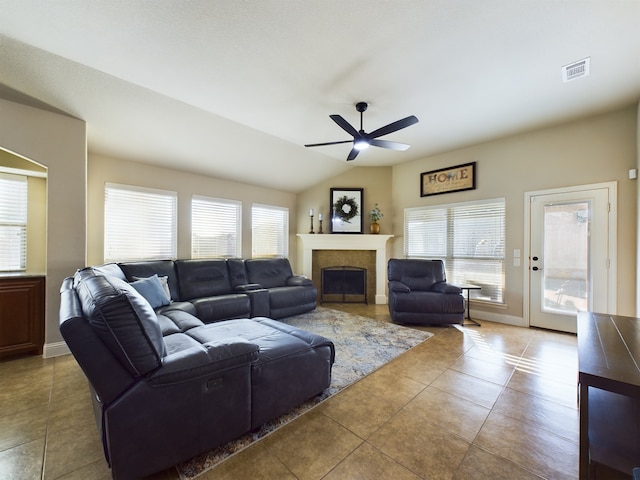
x,y
609,389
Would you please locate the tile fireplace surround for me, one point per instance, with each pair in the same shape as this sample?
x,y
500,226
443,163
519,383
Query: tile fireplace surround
x,y
377,243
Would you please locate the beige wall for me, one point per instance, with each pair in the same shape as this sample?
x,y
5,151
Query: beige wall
x,y
59,143
104,169
637,311
376,185
37,226
592,150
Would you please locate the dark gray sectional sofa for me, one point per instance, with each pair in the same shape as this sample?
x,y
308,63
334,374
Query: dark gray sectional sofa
x,y
173,378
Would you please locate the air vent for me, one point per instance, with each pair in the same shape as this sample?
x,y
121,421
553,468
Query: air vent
x,y
576,70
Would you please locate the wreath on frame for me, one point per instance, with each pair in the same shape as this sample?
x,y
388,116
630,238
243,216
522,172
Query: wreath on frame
x,y
345,208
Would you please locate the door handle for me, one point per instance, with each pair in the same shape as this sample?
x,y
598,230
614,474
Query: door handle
x,y
535,269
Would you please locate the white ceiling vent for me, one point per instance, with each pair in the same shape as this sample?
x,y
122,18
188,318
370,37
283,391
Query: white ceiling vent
x,y
575,70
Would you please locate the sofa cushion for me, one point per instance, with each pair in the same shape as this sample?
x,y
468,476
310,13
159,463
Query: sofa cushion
x,y
203,278
428,302
110,269
162,268
124,321
164,281
268,272
222,307
152,290
417,274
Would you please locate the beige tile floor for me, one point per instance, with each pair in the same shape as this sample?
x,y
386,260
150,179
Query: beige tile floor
x,y
494,402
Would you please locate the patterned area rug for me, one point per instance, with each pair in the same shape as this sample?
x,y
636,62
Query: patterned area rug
x,y
362,346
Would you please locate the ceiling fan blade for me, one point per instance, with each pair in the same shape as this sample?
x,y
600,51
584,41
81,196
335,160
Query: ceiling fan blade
x,y
327,143
394,127
353,154
387,144
346,126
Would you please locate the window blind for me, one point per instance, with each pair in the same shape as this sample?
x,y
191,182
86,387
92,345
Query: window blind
x,y
468,237
216,228
269,231
140,223
13,222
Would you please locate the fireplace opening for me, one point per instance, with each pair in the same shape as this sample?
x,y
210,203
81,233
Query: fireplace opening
x,y
344,284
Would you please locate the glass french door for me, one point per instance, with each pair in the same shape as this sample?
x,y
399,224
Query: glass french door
x,y
568,264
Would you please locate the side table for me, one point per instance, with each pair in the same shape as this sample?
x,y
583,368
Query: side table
x,y
468,288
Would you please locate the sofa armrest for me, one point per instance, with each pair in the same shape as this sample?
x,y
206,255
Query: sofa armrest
x,y
444,287
298,281
396,286
247,287
203,360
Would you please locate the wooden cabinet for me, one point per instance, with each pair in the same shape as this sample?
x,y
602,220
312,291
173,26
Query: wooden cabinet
x,y
21,315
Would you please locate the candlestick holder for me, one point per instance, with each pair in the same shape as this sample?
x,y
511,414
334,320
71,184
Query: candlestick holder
x,y
311,217
320,228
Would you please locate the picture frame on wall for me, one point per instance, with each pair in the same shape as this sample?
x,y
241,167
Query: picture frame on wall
x,y
447,180
346,210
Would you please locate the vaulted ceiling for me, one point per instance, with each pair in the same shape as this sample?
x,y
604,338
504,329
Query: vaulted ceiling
x,y
234,89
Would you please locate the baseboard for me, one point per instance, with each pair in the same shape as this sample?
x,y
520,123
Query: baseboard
x,y
55,349
381,299
498,318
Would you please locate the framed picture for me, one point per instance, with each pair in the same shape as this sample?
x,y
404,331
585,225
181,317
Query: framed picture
x,y
346,210
446,180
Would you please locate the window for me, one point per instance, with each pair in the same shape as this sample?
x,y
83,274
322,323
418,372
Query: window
x,y
468,237
139,223
270,231
13,222
216,228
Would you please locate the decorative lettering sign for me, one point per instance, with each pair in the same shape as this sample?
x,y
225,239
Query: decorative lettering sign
x,y
446,180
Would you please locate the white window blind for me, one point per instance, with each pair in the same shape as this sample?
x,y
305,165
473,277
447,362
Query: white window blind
x,y
269,231
468,237
13,222
216,228
139,223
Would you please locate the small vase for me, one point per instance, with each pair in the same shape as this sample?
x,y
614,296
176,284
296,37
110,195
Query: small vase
x,y
374,228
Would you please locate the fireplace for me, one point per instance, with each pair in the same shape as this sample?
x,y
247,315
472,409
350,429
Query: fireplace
x,y
360,250
344,284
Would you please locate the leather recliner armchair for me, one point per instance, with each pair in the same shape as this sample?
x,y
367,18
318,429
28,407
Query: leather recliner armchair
x,y
419,293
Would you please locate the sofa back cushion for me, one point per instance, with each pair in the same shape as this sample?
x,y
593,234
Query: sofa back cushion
x,y
237,272
123,320
203,278
268,272
417,274
163,268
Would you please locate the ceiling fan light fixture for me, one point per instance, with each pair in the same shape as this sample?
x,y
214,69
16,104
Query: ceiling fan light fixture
x,y
361,144
362,140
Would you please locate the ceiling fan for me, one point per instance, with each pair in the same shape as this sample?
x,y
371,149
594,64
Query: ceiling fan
x,y
362,140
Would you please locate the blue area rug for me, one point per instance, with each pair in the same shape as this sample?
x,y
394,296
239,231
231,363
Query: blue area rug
x,y
362,346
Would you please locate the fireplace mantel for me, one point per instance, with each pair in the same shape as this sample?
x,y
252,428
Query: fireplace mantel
x,y
311,242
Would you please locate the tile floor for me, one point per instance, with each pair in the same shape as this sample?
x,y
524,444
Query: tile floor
x,y
494,402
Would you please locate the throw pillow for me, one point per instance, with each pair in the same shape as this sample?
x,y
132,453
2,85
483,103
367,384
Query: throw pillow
x,y
164,281
151,289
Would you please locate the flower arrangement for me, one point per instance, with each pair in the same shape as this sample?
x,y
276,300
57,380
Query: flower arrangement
x,y
375,215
